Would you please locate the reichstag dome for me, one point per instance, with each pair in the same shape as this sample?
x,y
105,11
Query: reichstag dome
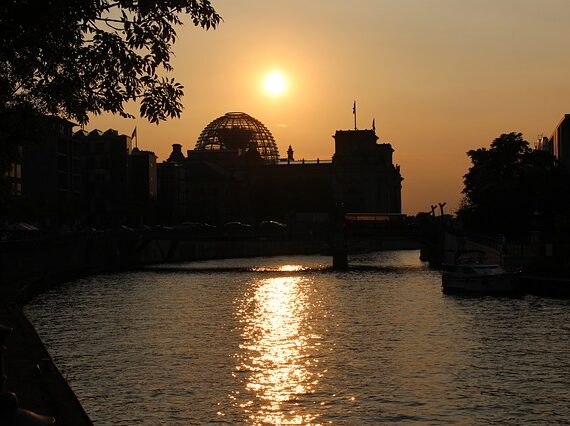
x,y
240,132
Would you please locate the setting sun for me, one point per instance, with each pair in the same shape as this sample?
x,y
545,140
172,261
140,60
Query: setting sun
x,y
275,83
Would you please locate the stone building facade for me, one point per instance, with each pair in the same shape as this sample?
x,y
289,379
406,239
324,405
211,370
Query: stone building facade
x,y
235,180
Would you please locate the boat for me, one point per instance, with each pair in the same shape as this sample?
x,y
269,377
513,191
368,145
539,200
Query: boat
x,y
470,274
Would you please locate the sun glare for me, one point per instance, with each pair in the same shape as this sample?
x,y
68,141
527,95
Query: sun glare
x,y
275,83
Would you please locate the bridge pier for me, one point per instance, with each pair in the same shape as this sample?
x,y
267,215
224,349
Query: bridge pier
x,y
339,246
340,251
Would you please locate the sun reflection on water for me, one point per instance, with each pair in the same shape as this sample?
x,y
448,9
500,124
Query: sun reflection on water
x,y
281,268
275,357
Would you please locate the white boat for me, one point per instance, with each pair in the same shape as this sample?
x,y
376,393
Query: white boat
x,y
469,274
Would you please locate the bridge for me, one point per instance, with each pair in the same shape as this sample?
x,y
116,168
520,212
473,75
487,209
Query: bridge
x,y
354,233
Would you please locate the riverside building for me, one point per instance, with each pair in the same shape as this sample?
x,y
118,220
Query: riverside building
x,y
559,142
235,173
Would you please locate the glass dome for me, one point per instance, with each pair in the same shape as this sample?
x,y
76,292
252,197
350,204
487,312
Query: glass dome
x,y
238,131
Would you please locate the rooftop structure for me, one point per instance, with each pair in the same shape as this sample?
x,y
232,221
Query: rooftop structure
x,y
559,142
239,132
235,174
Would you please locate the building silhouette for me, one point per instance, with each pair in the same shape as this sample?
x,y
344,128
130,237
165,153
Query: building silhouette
x,y
241,134
365,179
46,178
67,181
105,158
172,187
143,183
559,142
234,174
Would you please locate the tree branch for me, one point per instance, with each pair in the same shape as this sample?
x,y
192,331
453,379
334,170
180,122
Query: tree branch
x,y
118,21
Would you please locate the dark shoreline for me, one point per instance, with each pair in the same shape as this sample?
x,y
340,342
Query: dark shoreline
x,y
32,374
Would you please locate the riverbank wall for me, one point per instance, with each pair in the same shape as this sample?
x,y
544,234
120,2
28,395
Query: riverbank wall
x,y
33,377
27,267
30,266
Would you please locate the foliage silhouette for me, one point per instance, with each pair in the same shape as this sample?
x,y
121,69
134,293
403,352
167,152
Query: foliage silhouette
x,y
73,58
511,187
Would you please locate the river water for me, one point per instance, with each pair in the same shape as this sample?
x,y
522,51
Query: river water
x,y
284,340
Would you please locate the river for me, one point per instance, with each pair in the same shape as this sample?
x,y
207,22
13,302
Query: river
x,y
284,340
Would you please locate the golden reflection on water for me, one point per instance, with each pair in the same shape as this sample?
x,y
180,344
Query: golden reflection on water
x,y
281,268
275,356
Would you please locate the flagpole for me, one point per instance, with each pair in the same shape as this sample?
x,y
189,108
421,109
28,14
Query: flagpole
x,y
354,112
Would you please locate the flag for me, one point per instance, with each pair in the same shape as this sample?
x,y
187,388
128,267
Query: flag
x,y
374,124
354,108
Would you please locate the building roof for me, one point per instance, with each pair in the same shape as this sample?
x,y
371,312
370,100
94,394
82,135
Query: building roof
x,y
240,132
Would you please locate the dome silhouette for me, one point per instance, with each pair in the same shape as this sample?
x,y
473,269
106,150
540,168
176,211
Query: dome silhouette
x,y
240,132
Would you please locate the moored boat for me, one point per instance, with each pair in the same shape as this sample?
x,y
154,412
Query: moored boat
x,y
470,274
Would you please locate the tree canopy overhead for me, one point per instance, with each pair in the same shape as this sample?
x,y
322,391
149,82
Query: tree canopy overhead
x,y
510,184
75,57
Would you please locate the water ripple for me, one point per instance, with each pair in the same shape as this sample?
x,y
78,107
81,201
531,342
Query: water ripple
x,y
287,340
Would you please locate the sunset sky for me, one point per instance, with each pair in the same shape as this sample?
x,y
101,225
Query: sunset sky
x,y
440,77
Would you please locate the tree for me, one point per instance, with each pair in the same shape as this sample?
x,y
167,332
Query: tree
x,y
71,58
510,185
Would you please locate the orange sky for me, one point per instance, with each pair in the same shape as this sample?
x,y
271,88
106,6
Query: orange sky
x,y
439,76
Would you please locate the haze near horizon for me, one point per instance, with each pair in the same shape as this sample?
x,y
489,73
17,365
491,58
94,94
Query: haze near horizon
x,y
439,77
